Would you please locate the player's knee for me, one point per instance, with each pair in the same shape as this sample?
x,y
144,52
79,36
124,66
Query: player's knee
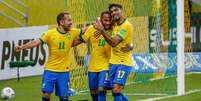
x,y
63,98
95,91
117,88
46,95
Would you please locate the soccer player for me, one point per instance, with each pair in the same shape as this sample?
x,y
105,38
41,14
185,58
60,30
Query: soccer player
x,y
99,58
120,62
59,42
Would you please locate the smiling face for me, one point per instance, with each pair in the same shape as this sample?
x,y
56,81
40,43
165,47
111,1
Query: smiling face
x,y
116,13
106,20
66,22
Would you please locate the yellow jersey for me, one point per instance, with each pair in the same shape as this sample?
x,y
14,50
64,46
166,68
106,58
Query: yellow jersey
x,y
100,51
125,31
59,45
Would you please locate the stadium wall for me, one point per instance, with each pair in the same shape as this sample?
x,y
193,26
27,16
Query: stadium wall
x,y
9,38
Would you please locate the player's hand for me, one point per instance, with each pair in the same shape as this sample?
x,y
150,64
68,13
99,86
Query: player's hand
x,y
18,48
97,34
127,48
84,28
98,25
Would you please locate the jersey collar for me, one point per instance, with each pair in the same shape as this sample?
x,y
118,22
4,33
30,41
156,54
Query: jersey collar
x,y
60,31
122,22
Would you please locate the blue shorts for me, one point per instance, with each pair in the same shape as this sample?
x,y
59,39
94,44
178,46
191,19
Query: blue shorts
x,y
59,80
98,79
118,74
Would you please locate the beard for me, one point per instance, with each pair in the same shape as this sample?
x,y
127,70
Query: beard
x,y
66,28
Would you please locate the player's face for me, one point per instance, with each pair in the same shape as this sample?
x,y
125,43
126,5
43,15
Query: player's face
x,y
66,22
106,20
116,13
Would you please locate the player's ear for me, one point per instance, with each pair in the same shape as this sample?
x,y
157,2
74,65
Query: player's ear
x,y
61,22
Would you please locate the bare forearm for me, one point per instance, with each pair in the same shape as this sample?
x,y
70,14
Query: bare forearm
x,y
28,45
110,40
76,42
31,44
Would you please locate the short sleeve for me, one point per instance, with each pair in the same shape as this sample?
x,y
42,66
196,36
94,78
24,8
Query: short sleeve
x,y
44,37
85,37
76,32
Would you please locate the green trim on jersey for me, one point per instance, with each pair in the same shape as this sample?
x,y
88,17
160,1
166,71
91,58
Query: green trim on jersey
x,y
60,31
122,33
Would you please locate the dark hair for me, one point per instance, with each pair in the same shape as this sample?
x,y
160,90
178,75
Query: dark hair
x,y
105,12
115,5
60,16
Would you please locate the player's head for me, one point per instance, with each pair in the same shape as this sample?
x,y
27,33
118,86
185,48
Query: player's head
x,y
116,11
64,20
106,19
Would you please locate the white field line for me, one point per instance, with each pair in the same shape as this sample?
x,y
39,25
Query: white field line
x,y
130,83
162,78
171,96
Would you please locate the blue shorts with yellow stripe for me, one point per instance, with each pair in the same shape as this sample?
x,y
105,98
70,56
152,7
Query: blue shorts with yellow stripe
x,y
59,80
118,74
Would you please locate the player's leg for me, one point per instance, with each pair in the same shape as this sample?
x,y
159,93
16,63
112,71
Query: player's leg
x,y
119,82
103,81
93,85
62,86
46,96
111,74
117,93
48,83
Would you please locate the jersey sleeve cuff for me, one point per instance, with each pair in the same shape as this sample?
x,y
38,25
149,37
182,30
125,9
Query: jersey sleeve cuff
x,y
121,37
41,40
81,38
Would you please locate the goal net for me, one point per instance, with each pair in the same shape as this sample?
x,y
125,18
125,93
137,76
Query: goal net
x,y
155,41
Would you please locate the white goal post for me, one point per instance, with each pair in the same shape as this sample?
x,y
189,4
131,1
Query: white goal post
x,y
180,48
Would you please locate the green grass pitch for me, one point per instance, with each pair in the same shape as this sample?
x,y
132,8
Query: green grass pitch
x,y
29,89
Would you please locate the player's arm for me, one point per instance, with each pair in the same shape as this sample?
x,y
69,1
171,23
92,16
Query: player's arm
x,y
127,48
112,41
79,39
28,45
